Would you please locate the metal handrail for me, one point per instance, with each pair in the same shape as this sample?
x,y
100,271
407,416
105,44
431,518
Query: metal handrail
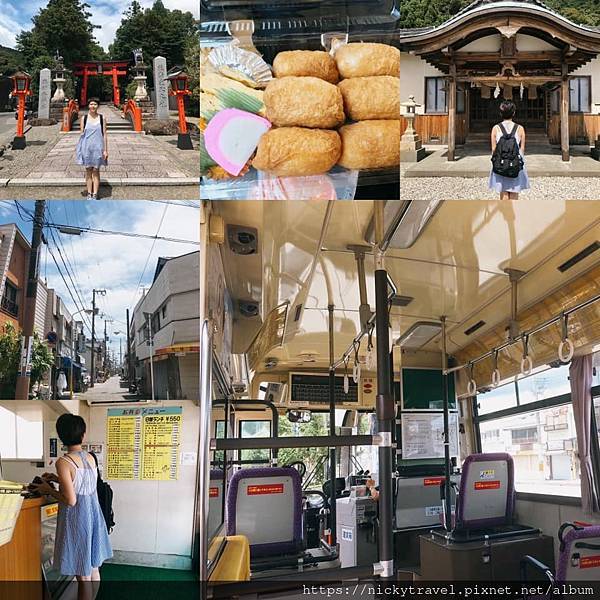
x,y
525,334
204,445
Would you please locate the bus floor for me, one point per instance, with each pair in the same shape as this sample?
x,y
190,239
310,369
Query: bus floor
x,y
129,582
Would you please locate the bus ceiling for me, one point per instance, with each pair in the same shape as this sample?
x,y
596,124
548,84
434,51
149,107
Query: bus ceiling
x,y
282,265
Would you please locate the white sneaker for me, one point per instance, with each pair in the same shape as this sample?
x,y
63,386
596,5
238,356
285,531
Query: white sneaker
x,y
89,196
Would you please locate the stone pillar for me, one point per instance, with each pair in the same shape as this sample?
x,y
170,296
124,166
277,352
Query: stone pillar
x,y
44,94
596,149
161,87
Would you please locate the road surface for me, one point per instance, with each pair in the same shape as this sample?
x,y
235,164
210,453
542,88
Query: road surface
x,y
108,391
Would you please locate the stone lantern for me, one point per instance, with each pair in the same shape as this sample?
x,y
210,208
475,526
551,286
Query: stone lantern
x,y
59,99
411,149
139,75
59,78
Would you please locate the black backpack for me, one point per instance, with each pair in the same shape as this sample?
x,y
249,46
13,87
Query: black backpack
x,y
506,159
105,498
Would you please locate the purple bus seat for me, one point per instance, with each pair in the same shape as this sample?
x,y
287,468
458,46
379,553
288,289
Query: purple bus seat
x,y
578,557
579,553
265,505
486,496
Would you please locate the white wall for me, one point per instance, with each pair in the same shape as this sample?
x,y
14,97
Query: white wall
x,y
549,517
593,69
154,516
413,71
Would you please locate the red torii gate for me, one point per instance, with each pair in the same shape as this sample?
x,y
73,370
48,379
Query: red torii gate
x,y
110,68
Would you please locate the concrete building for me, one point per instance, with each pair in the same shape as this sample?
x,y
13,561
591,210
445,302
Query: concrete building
x,y
14,259
14,264
166,325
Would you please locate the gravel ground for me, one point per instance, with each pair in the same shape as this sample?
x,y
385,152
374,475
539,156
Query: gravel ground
x,y
40,140
458,188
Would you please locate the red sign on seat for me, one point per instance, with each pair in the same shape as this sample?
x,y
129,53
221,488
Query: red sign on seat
x,y
487,485
269,488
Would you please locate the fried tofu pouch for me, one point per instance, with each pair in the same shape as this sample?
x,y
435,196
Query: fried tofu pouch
x,y
306,63
370,144
367,60
296,151
304,102
371,97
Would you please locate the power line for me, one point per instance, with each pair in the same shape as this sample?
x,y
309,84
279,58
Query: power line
x,y
149,254
68,273
121,233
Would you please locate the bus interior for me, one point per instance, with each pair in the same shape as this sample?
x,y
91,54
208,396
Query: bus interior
x,y
398,391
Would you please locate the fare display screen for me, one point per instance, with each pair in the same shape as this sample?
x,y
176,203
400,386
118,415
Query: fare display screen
x,y
314,389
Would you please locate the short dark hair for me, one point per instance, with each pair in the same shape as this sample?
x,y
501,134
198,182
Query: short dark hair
x,y
70,429
508,109
94,99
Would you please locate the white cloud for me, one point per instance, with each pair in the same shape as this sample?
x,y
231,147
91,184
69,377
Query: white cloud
x,y
116,263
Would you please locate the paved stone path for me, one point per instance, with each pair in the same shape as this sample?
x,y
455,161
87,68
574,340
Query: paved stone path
x,y
137,163
474,161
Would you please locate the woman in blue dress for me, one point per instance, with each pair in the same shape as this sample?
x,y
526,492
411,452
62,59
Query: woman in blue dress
x,y
92,147
81,542
509,187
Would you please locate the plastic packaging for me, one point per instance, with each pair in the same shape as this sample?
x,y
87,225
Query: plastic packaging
x,y
338,184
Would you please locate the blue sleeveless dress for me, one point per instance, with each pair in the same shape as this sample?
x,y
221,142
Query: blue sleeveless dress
x,y
81,542
91,145
499,183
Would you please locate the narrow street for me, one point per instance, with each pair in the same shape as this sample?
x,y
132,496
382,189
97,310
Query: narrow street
x,y
105,392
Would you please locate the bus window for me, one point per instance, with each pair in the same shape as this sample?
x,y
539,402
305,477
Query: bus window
x,y
311,457
545,384
255,429
543,445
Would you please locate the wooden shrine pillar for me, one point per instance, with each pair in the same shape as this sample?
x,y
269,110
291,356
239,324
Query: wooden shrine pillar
x,y
116,90
564,113
452,112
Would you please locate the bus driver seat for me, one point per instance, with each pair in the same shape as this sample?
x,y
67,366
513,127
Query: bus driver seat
x,y
265,505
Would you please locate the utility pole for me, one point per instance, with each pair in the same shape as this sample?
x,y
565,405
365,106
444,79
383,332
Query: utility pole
x,y
106,363
22,387
130,372
92,370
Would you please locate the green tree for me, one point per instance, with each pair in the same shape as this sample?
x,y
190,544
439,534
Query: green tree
x,y
10,61
319,425
158,31
10,353
64,25
428,13
192,68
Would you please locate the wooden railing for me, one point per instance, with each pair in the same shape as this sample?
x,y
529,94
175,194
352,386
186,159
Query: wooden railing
x,y
70,114
132,111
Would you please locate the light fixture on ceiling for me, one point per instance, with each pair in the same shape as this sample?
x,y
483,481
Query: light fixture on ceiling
x,y
419,334
403,222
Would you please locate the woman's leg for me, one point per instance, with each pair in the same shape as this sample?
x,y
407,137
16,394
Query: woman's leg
x,y
95,582
88,180
504,196
84,587
96,181
513,196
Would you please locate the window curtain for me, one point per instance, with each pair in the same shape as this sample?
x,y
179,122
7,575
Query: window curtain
x,y
580,373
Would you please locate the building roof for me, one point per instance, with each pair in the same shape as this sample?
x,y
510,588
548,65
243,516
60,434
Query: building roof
x,y
482,6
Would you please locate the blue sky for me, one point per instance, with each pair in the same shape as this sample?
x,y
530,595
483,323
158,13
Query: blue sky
x,y
15,15
121,265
